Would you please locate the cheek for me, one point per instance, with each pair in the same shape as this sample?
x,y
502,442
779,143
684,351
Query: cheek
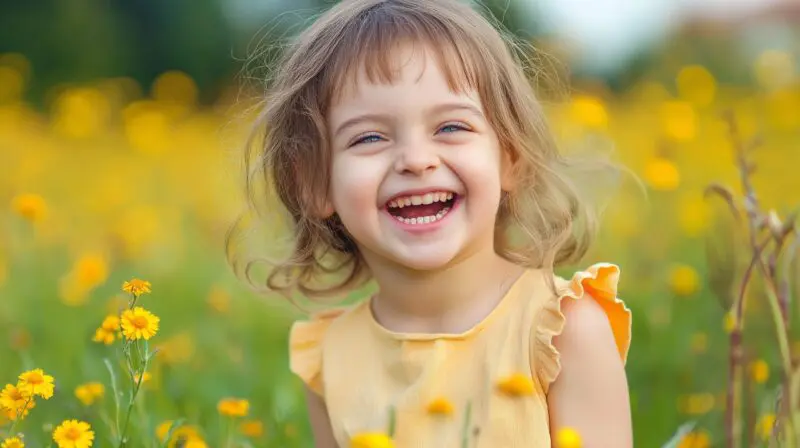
x,y
353,187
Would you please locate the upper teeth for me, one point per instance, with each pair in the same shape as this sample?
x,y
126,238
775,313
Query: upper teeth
x,y
427,198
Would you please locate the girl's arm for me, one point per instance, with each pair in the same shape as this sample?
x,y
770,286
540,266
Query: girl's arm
x,y
590,394
320,423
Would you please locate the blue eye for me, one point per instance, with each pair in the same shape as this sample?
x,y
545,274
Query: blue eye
x,y
370,138
450,128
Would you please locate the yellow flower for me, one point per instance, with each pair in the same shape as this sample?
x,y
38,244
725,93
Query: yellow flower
x,y
765,426
163,429
136,287
219,300
13,442
252,428
679,120
184,434
89,393
516,385
684,280
145,378
108,330
106,337
139,323
759,371
568,438
440,406
194,442
696,85
73,434
91,270
233,407
662,174
12,401
36,382
695,439
589,111
30,206
371,440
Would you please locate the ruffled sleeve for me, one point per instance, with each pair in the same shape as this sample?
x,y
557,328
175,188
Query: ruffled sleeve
x,y
305,348
598,282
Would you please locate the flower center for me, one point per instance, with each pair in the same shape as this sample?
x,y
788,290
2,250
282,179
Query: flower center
x,y
140,322
73,434
35,378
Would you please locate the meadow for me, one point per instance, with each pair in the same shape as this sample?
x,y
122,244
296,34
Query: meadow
x,y
115,193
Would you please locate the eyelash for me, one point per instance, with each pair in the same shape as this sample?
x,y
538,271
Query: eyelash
x,y
365,138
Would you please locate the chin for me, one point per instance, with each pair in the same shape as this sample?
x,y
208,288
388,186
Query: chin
x,y
431,261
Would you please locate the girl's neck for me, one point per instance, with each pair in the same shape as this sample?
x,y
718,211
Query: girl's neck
x,y
450,300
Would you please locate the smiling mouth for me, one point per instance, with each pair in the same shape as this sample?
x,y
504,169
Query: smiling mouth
x,y
422,209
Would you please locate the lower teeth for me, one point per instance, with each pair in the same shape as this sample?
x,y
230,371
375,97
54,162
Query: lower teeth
x,y
424,219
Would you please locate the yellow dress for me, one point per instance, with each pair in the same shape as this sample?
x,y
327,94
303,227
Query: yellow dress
x,y
491,380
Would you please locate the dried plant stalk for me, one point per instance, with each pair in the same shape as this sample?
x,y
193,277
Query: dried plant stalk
x,y
767,236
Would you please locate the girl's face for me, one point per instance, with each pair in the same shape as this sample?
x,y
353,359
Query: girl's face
x,y
417,169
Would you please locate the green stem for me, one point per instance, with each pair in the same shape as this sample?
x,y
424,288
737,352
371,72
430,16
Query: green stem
x,y
115,388
20,413
786,357
229,431
134,393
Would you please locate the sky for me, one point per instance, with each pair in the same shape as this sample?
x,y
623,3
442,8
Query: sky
x,y
607,32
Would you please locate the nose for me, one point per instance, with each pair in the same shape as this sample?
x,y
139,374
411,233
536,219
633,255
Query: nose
x,y
416,158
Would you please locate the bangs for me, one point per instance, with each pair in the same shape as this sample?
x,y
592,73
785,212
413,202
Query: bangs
x,y
372,47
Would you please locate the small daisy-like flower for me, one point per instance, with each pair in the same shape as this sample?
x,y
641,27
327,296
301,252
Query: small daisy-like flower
x,y
252,428
516,385
89,393
136,287
139,323
36,382
184,433
73,434
233,407
194,442
107,332
371,440
440,406
13,400
13,442
568,438
103,336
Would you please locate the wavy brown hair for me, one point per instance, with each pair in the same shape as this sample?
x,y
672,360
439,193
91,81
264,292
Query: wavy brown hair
x,y
542,223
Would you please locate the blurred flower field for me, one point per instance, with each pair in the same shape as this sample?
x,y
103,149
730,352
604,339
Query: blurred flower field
x,y
112,183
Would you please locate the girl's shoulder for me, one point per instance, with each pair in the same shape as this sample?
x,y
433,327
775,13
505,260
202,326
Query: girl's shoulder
x,y
597,283
306,338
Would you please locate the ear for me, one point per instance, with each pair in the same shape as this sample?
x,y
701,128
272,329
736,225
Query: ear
x,y
508,169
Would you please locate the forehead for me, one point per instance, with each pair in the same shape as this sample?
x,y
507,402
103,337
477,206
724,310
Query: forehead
x,y
408,66
389,58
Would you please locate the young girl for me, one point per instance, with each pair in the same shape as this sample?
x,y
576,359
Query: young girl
x,y
408,147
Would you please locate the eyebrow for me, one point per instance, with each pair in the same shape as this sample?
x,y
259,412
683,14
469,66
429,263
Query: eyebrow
x,y
435,110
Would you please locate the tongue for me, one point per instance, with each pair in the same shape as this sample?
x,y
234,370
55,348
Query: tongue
x,y
416,211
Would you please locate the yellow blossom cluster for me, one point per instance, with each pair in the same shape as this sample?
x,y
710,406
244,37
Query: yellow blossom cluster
x,y
16,401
